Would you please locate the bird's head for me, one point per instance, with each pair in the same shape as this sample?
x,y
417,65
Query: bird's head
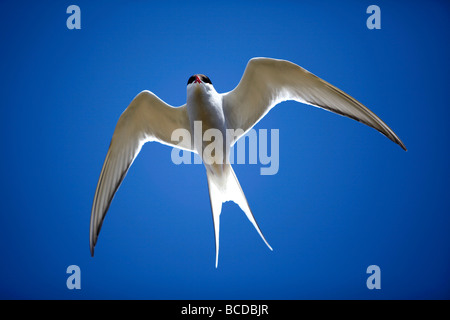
x,y
199,79
199,85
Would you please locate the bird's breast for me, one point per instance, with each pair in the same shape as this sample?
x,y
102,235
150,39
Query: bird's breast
x,y
206,107
208,130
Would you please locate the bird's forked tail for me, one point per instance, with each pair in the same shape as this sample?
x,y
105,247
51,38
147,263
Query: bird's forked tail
x,y
227,188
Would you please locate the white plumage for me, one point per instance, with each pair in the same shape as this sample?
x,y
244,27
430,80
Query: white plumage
x,y
265,83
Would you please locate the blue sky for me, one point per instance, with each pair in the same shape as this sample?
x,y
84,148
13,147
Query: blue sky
x,y
345,197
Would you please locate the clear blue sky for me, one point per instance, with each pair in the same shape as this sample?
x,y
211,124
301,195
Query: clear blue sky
x,y
345,197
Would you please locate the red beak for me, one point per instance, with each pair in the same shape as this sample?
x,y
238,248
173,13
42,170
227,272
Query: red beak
x,y
197,79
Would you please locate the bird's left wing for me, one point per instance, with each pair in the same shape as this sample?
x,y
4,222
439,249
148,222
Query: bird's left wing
x,y
147,118
267,82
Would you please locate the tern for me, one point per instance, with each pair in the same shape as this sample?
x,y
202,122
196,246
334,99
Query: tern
x,y
265,83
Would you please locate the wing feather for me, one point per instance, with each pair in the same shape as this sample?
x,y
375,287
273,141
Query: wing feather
x,y
267,82
147,118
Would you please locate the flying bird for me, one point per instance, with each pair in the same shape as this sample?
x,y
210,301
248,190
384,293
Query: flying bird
x,y
265,83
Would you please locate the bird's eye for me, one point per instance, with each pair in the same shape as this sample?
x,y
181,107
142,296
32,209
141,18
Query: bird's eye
x,y
191,79
205,79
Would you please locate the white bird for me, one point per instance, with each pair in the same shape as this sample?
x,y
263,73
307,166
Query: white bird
x,y
265,83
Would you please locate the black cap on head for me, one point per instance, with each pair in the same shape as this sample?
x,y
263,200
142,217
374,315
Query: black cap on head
x,y
200,77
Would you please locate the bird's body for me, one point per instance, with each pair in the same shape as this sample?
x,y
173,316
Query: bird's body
x,y
204,107
209,115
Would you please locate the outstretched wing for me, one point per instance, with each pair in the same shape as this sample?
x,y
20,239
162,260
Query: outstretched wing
x,y
147,118
267,82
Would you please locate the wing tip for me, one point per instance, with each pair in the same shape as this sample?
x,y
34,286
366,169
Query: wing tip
x,y
403,146
92,243
400,143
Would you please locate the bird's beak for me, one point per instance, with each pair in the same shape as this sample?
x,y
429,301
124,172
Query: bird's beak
x,y
197,80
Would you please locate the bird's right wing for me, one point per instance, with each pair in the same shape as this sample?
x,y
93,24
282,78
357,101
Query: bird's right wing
x,y
147,118
267,82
